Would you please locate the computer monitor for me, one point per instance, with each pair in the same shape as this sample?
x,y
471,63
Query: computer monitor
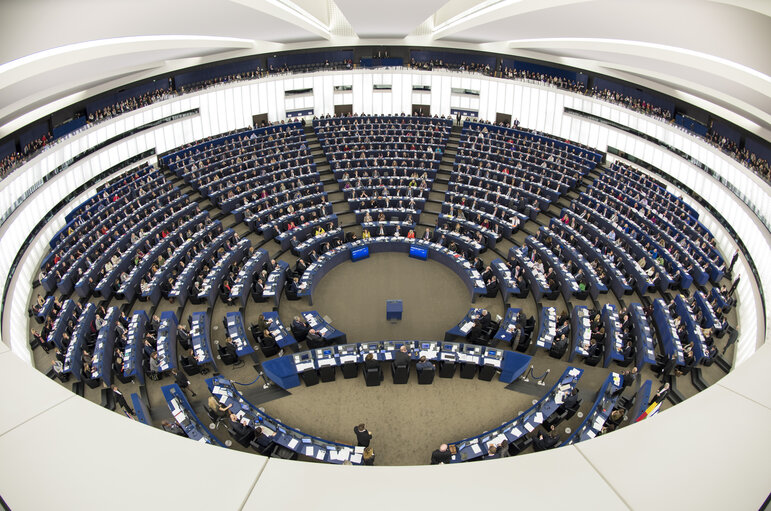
x,y
418,252
425,345
360,253
492,353
327,353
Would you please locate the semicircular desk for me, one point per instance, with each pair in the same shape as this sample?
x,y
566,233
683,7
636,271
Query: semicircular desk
x,y
433,251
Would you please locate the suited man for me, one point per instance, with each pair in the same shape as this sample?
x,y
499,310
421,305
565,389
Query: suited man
x,y
228,349
292,289
314,340
299,328
121,400
402,357
666,369
628,351
476,333
570,402
257,289
484,319
545,441
559,346
183,335
478,264
492,288
238,427
362,435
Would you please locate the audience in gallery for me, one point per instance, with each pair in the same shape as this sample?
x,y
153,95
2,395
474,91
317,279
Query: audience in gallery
x,y
750,160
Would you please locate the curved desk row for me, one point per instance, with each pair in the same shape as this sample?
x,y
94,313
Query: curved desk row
x,y
285,371
185,416
474,447
600,411
325,263
250,416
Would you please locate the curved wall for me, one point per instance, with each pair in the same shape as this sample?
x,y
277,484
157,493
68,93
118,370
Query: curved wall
x,y
47,424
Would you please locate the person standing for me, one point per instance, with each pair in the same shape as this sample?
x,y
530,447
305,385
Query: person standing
x,y
362,435
183,382
121,400
733,287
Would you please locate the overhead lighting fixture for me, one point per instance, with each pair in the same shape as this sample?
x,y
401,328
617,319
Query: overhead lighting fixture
x,y
299,12
478,10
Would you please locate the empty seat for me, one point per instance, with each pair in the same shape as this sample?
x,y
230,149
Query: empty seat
x,y
426,376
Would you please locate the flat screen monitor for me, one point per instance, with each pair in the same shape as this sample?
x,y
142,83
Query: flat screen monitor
x,y
425,346
360,253
491,353
327,352
418,252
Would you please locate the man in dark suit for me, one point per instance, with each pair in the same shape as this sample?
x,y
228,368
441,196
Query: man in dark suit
x,y
314,340
299,328
570,402
492,288
362,435
545,441
183,382
239,428
441,455
292,289
476,333
183,335
228,349
402,357
121,400
667,367
628,351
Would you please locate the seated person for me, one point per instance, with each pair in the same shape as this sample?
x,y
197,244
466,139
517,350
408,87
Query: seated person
x,y
424,365
402,357
314,340
492,288
215,406
268,341
263,437
239,428
228,348
544,441
370,362
292,289
299,328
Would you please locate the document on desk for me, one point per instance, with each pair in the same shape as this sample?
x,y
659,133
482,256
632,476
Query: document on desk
x,y
476,449
529,427
223,399
516,432
465,327
293,443
320,455
308,450
538,418
574,372
356,458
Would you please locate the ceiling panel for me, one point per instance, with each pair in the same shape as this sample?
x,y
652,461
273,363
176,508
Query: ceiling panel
x,y
716,29
392,18
53,23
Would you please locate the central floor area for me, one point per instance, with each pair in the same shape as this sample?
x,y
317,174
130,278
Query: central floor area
x,y
354,294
